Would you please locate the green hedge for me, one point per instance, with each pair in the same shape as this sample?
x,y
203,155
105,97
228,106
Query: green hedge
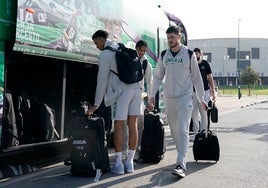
x,y
233,90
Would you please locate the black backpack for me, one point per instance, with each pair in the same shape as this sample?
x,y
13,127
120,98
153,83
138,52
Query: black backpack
x,y
128,64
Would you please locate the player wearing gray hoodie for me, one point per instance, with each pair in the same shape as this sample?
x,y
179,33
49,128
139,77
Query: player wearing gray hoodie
x,y
180,74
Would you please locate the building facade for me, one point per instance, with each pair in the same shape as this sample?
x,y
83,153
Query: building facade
x,y
229,56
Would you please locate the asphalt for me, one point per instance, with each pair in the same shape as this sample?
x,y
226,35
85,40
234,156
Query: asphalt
x,y
158,175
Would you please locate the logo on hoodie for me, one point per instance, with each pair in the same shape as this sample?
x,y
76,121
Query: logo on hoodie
x,y
173,60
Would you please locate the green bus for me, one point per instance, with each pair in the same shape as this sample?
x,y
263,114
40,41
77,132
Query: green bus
x,y
46,51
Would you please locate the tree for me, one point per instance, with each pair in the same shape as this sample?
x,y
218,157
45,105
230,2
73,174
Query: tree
x,y
249,77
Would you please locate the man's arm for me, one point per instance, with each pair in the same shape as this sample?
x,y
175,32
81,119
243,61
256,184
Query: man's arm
x,y
157,78
102,80
198,81
148,76
211,86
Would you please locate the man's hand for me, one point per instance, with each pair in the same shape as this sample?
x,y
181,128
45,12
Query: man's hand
x,y
213,98
204,106
91,110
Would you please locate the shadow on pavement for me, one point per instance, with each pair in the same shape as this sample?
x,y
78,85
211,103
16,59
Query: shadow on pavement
x,y
260,129
162,173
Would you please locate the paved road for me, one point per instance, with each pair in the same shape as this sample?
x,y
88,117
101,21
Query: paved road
x,y
243,134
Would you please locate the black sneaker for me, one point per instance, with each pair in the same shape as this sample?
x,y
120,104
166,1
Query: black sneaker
x,y
178,171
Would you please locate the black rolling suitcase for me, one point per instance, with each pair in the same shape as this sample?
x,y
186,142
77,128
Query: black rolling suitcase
x,y
153,145
206,145
88,147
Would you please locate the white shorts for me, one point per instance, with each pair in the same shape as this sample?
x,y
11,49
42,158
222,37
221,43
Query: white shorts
x,y
128,103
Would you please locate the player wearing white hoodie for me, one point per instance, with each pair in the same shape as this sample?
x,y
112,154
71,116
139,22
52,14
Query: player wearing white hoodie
x,y
124,98
180,73
141,49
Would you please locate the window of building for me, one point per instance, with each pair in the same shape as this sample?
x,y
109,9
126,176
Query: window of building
x,y
207,56
244,55
231,53
255,53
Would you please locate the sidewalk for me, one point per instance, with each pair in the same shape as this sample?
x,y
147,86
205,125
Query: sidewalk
x,y
227,103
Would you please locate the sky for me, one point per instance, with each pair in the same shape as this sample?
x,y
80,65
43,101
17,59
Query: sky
x,y
219,18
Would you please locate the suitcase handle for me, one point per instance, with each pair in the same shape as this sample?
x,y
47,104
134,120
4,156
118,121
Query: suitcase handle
x,y
209,133
203,131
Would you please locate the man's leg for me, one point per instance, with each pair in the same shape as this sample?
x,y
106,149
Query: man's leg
x,y
133,136
140,127
125,105
118,135
195,114
125,140
118,167
203,113
133,132
133,111
179,112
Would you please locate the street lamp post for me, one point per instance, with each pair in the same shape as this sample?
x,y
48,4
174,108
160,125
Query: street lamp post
x,y
238,59
224,82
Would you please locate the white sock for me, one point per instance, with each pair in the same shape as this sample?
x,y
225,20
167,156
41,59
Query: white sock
x,y
130,156
118,158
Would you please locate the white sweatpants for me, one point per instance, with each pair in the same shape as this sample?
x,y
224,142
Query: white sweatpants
x,y
179,111
197,110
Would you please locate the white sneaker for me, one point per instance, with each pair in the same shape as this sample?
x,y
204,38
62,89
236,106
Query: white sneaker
x,y
129,167
117,169
178,171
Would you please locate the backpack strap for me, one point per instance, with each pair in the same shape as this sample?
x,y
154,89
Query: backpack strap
x,y
112,49
163,53
190,52
144,65
121,46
